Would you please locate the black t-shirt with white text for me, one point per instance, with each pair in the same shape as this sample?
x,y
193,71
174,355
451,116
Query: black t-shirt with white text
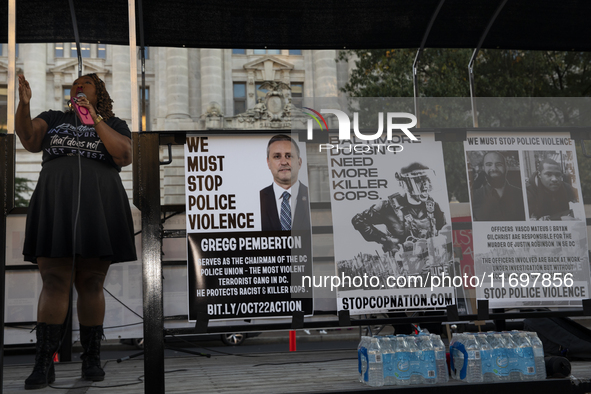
x,y
67,136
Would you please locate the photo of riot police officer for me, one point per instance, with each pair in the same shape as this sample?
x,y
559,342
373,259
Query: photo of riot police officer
x,y
407,226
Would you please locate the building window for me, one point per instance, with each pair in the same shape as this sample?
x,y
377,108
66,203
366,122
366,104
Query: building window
x,y
239,97
297,94
102,51
267,52
66,97
145,109
297,52
59,49
238,51
2,53
3,108
84,50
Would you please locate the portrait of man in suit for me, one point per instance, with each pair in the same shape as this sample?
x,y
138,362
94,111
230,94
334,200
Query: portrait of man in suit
x,y
284,204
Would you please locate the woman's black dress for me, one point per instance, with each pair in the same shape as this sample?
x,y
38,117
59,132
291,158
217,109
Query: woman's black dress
x,y
85,212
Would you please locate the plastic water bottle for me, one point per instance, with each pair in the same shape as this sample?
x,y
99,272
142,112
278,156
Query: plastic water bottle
x,y
465,353
440,361
500,357
474,372
416,376
389,360
375,364
402,361
486,359
362,358
514,365
526,355
427,357
456,355
538,348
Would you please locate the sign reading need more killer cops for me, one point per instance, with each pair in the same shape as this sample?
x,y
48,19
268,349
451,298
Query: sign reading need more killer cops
x,y
391,224
528,220
247,249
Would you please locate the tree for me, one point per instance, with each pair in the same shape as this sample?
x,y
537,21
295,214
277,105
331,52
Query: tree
x,y
498,73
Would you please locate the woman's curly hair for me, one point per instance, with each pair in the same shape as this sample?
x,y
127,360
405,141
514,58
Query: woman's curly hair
x,y
104,103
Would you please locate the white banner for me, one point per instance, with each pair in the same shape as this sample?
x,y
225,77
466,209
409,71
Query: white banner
x,y
391,224
242,261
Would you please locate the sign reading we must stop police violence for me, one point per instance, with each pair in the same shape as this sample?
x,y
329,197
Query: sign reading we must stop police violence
x,y
241,264
528,221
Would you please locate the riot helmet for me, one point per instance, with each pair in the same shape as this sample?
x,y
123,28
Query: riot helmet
x,y
415,179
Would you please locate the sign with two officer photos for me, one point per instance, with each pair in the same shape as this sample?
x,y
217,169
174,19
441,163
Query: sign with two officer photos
x,y
528,219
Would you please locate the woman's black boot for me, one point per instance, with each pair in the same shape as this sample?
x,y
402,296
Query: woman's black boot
x,y
48,338
90,338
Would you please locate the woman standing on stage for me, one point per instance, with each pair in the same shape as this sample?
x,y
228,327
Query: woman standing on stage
x,y
79,220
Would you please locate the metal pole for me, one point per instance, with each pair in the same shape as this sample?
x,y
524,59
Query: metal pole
x,y
140,18
473,58
76,36
7,169
133,67
149,183
472,91
7,203
416,61
11,77
147,198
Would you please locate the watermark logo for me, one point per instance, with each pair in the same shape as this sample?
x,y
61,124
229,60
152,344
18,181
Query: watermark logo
x,y
316,119
345,129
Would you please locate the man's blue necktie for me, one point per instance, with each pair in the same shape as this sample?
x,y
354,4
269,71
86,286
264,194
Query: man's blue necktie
x,y
285,212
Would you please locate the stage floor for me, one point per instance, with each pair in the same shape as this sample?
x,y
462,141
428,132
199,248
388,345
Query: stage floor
x,y
298,372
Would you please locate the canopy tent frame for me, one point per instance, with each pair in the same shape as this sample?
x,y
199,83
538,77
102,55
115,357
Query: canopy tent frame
x,y
415,82
473,58
323,29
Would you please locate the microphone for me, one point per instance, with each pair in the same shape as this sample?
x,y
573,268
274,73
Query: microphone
x,y
83,113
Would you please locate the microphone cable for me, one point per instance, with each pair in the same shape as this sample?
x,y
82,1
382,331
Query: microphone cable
x,y
68,318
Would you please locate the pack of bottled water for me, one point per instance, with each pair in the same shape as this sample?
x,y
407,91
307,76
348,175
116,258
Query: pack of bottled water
x,y
370,361
475,357
402,360
466,361
497,357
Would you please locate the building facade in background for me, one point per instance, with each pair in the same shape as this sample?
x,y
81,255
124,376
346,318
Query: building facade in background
x,y
186,89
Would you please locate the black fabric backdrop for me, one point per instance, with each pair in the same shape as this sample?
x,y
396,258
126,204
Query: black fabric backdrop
x,y
310,24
